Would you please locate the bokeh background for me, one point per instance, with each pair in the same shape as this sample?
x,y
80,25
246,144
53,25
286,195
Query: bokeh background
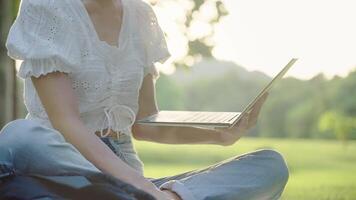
x,y
223,53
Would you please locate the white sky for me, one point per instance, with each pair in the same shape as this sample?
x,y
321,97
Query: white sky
x,y
265,34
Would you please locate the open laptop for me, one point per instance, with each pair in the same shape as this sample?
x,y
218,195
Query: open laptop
x,y
209,119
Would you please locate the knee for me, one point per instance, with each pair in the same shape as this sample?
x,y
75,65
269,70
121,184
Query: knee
x,y
17,126
20,133
276,166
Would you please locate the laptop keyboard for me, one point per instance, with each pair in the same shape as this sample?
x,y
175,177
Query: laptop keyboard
x,y
204,117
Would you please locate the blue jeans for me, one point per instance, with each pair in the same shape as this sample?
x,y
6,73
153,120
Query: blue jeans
x,y
29,147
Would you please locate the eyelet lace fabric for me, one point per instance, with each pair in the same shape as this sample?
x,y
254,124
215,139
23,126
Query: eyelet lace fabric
x,y
55,36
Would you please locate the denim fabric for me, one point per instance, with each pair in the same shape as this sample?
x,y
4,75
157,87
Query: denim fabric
x,y
124,148
30,147
257,175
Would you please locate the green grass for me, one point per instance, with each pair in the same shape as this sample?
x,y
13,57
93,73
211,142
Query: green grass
x,y
319,170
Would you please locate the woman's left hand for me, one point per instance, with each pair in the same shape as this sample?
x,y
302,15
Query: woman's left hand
x,y
230,135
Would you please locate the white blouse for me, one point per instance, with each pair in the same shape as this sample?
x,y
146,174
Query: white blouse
x,y
58,35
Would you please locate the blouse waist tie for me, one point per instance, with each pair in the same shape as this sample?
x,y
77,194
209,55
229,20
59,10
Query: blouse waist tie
x,y
117,120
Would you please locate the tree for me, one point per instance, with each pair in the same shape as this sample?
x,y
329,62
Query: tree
x,y
343,127
202,45
8,10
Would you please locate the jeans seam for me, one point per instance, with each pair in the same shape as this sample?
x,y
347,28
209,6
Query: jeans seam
x,y
108,143
118,151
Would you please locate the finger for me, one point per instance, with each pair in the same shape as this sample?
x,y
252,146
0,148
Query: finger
x,y
252,121
242,123
253,116
257,107
263,98
255,111
259,103
250,117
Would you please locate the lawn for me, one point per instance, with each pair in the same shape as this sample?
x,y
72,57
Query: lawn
x,y
319,169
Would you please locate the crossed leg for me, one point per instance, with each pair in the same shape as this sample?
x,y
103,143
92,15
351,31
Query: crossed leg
x,y
28,147
257,175
32,148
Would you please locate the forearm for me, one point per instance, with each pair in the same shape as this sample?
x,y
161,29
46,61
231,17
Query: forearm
x,y
177,135
61,104
94,150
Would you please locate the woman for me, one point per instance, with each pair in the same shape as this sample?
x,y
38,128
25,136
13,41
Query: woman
x,y
88,67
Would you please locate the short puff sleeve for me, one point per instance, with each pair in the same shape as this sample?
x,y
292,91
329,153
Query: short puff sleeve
x,y
43,37
153,39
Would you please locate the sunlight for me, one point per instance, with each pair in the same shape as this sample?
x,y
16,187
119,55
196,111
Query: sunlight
x,y
264,35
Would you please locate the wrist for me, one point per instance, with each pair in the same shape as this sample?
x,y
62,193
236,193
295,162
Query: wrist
x,y
132,178
219,136
145,184
171,195
226,137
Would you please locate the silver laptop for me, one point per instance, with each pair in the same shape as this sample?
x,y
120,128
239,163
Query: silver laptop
x,y
209,119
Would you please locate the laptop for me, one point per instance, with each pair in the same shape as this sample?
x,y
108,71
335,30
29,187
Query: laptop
x,y
209,120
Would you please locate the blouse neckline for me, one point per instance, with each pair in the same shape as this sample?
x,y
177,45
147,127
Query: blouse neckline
x,y
93,31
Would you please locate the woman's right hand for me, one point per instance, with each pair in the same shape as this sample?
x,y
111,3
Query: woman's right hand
x,y
150,188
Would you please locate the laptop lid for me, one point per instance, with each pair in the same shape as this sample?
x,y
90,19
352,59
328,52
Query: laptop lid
x,y
266,89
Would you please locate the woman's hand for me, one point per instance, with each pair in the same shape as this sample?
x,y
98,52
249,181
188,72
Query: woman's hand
x,y
171,195
230,135
150,188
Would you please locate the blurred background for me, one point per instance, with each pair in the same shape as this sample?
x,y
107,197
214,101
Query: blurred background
x,y
223,53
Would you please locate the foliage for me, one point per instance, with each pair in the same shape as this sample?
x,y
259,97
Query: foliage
x,y
200,46
344,127
294,108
